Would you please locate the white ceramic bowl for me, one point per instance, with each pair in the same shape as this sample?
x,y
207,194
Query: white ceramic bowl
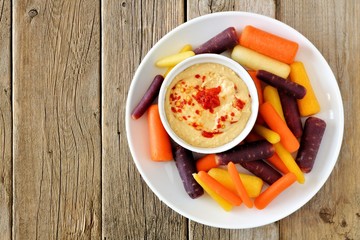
x,y
227,62
163,178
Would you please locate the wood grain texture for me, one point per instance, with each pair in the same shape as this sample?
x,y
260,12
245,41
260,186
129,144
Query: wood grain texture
x,y
334,213
130,209
5,121
57,138
195,9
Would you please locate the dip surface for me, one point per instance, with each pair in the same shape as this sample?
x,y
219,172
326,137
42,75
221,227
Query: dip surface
x,y
207,105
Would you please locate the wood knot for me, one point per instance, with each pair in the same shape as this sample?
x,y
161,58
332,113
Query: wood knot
x,y
32,13
123,4
326,215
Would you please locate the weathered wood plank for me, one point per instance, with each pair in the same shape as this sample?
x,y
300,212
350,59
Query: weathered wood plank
x,y
5,121
195,9
130,209
57,138
333,27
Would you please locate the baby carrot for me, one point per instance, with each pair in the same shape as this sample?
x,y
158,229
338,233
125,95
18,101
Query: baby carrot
x,y
269,44
309,104
172,60
257,82
289,162
274,190
269,135
271,95
278,163
222,202
257,61
160,145
252,184
234,174
220,189
185,48
206,163
274,121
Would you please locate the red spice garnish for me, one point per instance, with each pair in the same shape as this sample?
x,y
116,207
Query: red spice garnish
x,y
197,76
197,111
173,110
209,134
208,98
239,104
184,117
232,114
203,78
194,124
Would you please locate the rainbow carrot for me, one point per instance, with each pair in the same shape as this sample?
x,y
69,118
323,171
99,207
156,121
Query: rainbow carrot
x,y
289,162
257,82
269,135
222,202
271,95
172,60
160,145
220,189
234,174
274,121
252,184
274,190
269,44
185,48
206,163
308,105
278,163
256,61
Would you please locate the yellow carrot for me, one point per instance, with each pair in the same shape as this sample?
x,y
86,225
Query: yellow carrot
x,y
268,134
252,184
185,48
289,162
308,105
222,202
271,95
172,60
257,61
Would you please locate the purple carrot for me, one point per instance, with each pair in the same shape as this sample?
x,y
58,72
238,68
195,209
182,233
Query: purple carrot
x,y
185,164
246,152
148,98
291,88
262,170
221,42
314,129
291,113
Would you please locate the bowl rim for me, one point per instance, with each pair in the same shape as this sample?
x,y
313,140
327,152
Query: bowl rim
x,y
227,62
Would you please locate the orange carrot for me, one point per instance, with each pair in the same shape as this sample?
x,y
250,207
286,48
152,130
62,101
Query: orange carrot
x,y
257,82
274,121
274,190
160,145
240,189
219,189
276,161
269,44
206,163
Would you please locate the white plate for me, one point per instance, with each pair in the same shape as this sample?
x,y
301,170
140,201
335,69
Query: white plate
x,y
163,178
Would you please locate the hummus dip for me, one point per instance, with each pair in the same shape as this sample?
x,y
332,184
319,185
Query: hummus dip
x,y
207,105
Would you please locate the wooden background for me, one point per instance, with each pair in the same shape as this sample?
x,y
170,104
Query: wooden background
x,y
65,68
